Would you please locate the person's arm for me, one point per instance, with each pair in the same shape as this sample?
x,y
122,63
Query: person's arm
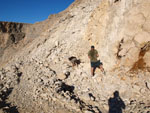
x,y
97,54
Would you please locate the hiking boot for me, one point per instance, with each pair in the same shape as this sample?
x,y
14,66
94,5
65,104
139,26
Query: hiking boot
x,y
94,76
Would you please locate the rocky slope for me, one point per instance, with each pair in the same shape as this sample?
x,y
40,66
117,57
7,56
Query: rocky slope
x,y
40,78
10,34
14,36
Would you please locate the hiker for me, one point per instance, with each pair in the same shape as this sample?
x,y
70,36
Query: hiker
x,y
93,55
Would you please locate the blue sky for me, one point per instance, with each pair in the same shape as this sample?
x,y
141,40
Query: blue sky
x,y
30,11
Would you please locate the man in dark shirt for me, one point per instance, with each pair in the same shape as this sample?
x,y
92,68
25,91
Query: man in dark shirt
x,y
93,55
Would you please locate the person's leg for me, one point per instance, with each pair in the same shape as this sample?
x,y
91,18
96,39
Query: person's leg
x,y
92,71
100,65
101,68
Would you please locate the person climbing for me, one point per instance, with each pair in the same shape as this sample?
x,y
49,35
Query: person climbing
x,y
93,55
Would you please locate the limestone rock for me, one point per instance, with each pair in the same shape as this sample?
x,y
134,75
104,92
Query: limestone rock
x,y
142,37
88,112
61,76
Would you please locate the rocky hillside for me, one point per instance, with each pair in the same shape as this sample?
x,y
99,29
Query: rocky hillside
x,y
14,36
39,78
10,34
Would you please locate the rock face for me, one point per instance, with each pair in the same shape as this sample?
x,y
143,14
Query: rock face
x,y
14,31
10,33
14,37
40,78
118,29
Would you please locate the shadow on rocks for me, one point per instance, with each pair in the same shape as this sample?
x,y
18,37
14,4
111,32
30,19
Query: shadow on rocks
x,y
64,87
116,104
82,105
6,107
74,61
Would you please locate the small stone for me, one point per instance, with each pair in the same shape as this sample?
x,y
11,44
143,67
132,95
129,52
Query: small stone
x,y
9,81
2,77
56,60
39,80
86,97
44,96
147,84
44,79
73,101
7,85
5,89
57,43
46,64
143,90
92,97
67,73
96,109
88,112
61,76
